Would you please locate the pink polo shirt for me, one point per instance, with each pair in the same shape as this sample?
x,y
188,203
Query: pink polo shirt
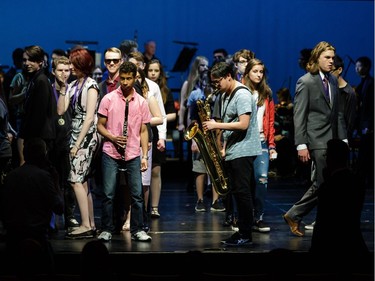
x,y
112,106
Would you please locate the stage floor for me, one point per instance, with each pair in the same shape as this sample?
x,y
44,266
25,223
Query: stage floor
x,y
181,230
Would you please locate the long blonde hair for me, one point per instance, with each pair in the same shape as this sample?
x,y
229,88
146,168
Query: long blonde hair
x,y
313,65
194,75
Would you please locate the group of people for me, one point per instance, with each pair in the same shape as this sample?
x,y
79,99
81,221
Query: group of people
x,y
325,108
91,138
84,136
241,114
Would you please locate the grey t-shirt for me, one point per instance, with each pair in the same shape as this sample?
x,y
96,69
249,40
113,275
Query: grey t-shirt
x,y
240,143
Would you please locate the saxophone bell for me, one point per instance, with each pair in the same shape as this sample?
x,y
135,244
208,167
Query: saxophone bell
x,y
211,156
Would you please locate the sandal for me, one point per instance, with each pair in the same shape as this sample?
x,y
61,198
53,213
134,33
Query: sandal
x,y
155,212
80,233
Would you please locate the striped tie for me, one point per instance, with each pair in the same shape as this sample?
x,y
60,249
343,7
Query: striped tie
x,y
326,87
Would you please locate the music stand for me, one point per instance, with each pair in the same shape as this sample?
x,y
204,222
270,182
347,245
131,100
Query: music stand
x,y
184,59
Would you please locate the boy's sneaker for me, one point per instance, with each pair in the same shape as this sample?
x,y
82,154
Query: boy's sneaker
x,y
238,239
235,226
141,236
105,236
200,207
218,206
260,226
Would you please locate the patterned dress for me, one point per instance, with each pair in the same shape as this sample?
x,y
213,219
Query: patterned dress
x,y
81,163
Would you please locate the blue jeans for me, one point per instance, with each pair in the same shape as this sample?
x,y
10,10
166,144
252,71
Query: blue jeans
x,y
110,170
261,165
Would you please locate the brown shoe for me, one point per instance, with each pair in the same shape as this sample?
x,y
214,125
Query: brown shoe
x,y
294,226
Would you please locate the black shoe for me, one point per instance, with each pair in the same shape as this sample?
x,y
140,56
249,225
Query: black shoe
x,y
260,226
200,207
228,221
238,239
80,235
218,206
234,224
71,222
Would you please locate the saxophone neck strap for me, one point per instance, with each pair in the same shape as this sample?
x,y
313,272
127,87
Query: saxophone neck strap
x,y
222,114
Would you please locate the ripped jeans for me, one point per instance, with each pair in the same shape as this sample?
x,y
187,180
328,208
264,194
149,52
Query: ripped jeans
x,y
261,165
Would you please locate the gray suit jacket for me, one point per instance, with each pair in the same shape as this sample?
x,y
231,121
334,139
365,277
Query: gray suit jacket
x,y
316,120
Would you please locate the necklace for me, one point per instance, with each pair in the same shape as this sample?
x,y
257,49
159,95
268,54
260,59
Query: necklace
x,y
75,96
61,120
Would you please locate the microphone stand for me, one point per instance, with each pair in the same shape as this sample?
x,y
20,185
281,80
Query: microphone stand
x,y
351,61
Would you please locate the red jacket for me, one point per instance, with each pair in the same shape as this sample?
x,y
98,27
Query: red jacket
x,y
269,122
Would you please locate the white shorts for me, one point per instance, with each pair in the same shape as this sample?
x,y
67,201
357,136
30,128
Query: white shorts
x,y
146,175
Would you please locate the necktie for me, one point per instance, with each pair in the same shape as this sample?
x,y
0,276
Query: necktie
x,y
325,86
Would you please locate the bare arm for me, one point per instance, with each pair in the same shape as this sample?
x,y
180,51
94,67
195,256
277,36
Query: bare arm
x,y
144,146
242,124
157,118
64,99
171,117
181,112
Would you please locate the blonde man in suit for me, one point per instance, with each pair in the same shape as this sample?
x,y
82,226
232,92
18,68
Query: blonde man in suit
x,y
317,119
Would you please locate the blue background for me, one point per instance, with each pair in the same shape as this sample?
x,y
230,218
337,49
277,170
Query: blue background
x,y
276,30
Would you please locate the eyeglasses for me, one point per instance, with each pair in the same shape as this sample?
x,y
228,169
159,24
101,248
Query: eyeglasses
x,y
216,82
115,61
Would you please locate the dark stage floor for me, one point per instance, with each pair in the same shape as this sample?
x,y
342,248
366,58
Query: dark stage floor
x,y
185,242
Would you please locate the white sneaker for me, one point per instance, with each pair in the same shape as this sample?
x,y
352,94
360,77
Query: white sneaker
x,y
310,226
235,228
141,236
105,236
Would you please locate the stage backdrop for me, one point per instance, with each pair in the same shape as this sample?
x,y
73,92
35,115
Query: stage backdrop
x,y
276,30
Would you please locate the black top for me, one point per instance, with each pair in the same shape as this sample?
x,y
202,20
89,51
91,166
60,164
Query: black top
x,y
40,108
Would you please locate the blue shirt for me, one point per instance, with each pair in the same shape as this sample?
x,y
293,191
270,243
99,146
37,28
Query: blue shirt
x,y
241,143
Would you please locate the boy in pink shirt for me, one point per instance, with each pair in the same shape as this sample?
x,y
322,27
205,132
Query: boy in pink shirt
x,y
121,149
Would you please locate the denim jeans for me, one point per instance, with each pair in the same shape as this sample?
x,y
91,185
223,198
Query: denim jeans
x,y
261,165
110,170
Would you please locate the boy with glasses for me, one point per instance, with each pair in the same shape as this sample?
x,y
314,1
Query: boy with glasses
x,y
240,60
241,145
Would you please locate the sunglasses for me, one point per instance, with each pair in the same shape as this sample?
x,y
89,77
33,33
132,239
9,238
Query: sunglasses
x,y
115,61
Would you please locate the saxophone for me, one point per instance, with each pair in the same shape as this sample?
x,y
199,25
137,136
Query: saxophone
x,y
206,142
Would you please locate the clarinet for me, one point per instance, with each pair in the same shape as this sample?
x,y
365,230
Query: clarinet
x,y
125,134
121,149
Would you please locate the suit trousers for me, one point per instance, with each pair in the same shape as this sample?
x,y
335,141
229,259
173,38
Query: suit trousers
x,y
310,199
